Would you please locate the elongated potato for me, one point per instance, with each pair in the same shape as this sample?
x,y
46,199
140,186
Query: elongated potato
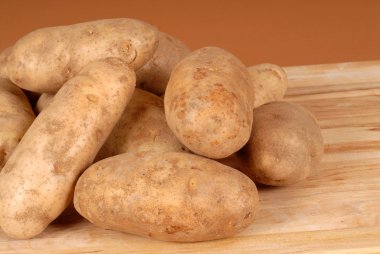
x,y
37,182
285,144
16,115
43,101
209,102
3,62
142,127
167,196
269,81
44,59
155,74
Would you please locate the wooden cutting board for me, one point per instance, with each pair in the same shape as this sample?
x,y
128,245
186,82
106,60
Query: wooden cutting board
x,y
335,211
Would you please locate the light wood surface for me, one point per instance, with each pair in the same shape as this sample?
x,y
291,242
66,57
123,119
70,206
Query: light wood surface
x,y
335,211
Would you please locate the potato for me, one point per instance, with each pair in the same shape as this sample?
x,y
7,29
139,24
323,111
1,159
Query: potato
x,y
155,74
167,196
3,62
269,81
43,101
44,59
142,127
286,142
37,182
209,103
16,115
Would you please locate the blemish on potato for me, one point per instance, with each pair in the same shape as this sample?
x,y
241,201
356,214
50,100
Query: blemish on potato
x,y
2,157
104,110
160,175
33,192
247,215
215,142
124,79
58,168
192,185
172,229
200,73
113,61
134,57
181,114
92,98
91,29
32,213
67,72
53,126
272,71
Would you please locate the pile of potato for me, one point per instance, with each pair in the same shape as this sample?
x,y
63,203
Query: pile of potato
x,y
138,132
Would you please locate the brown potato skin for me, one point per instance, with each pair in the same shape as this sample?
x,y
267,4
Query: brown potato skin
x,y
209,102
44,59
170,196
142,127
37,182
286,142
155,74
16,115
43,101
270,83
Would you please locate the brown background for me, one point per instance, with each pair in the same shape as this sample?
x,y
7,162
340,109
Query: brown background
x,y
289,32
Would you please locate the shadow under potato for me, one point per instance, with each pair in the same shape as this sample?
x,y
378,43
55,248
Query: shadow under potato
x,y
68,217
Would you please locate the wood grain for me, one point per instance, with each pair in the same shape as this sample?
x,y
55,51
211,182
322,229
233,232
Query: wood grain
x,y
327,74
337,210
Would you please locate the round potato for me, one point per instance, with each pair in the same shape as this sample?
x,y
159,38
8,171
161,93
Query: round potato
x,y
37,182
269,81
155,74
167,196
142,127
209,102
44,59
16,115
285,144
43,101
